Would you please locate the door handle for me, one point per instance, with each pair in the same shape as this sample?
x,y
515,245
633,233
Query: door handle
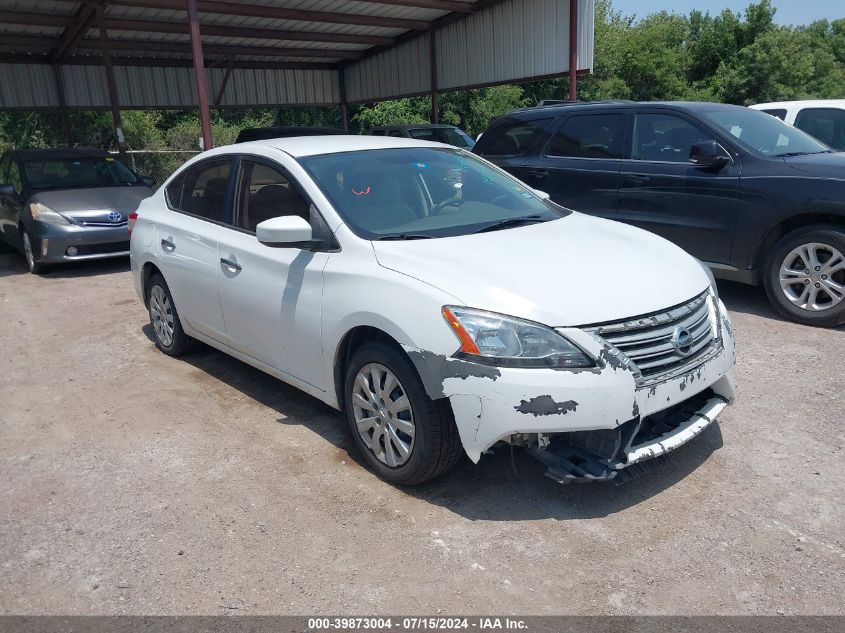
x,y
538,173
230,264
167,244
638,179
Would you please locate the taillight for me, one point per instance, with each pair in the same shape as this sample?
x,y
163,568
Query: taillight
x,y
130,221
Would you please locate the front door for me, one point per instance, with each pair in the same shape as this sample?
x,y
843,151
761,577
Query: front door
x,y
662,192
579,168
271,296
187,241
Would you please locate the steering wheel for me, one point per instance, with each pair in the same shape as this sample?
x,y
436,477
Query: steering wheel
x,y
448,202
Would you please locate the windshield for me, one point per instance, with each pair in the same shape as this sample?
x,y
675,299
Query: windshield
x,y
763,133
77,173
446,135
420,192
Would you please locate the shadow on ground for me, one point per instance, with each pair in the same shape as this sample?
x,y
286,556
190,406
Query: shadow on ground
x,y
489,490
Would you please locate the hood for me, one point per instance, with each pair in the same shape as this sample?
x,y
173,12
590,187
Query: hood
x,y
577,270
88,205
827,165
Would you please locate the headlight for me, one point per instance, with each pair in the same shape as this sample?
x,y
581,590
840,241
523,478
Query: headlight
x,y
495,339
43,213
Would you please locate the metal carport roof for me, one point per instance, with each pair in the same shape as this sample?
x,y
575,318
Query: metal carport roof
x,y
278,52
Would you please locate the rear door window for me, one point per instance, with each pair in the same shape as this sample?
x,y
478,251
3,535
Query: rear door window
x,y
825,124
590,136
511,139
202,191
777,113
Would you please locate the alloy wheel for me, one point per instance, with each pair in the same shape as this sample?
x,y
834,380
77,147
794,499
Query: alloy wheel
x,y
383,414
161,314
812,277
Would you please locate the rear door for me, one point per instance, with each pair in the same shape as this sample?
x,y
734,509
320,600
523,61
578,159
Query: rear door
x,y
200,208
662,192
271,296
579,167
510,143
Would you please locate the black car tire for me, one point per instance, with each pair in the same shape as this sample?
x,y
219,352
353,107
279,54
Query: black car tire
x,y
29,254
437,446
181,343
827,234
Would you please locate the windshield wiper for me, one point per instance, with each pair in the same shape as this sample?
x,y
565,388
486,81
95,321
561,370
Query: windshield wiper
x,y
511,222
402,236
790,154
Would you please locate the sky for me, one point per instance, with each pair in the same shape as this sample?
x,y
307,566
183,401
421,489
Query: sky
x,y
789,11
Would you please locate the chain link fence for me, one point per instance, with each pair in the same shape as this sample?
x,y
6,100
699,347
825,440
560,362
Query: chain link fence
x,y
157,164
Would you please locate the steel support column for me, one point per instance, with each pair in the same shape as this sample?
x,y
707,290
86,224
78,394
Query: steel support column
x,y
573,50
435,106
344,112
110,80
60,91
199,73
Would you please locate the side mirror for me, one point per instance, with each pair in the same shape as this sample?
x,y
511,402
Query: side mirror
x,y
7,190
542,194
709,155
148,181
288,230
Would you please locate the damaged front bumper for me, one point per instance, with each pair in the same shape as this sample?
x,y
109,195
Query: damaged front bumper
x,y
585,424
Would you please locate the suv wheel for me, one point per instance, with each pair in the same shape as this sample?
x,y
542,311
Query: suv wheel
x,y
805,275
405,437
169,336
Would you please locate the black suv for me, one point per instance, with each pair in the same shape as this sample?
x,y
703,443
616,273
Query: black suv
x,y
757,200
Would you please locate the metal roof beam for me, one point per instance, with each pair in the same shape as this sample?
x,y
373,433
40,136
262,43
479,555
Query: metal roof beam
x,y
157,62
277,13
248,32
440,5
37,19
84,21
222,49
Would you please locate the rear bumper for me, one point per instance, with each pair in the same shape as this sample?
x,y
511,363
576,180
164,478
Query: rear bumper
x,y
52,241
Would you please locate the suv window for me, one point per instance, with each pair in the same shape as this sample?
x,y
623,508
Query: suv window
x,y
665,138
201,191
778,114
399,133
4,168
511,139
590,136
267,193
826,124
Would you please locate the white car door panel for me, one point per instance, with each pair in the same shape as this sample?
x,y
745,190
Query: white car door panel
x,y
271,304
191,265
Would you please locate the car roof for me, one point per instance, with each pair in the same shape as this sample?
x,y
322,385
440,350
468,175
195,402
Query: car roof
x,y
560,108
412,126
806,103
257,133
300,146
60,153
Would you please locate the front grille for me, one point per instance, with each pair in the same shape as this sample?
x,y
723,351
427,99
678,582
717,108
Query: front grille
x,y
102,249
100,223
648,341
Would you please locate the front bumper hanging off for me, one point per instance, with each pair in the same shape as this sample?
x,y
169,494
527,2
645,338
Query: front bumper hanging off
x,y
612,455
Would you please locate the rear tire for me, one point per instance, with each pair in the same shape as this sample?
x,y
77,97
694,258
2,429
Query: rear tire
x,y
804,275
169,336
400,415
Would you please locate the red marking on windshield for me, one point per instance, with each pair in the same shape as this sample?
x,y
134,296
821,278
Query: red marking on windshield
x,y
363,192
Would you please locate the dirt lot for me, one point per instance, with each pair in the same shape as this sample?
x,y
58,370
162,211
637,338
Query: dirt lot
x,y
136,483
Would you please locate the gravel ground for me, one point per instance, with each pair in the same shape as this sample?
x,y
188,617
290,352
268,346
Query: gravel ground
x,y
134,483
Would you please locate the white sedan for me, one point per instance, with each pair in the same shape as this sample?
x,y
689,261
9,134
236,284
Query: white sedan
x,y
444,306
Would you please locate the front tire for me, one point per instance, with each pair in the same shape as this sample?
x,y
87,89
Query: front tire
x,y
169,336
32,264
405,437
805,276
